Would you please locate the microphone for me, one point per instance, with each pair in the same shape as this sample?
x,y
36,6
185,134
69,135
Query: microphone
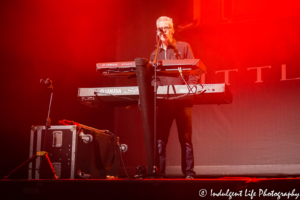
x,y
161,31
47,82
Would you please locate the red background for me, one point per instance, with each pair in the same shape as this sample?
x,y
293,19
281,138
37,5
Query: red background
x,y
63,40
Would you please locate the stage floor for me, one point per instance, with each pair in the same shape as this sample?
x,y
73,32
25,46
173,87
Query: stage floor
x,y
217,188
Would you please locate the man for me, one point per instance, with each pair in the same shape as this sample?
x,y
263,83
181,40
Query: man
x,y
170,49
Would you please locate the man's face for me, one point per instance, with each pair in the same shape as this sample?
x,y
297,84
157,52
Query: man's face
x,y
167,34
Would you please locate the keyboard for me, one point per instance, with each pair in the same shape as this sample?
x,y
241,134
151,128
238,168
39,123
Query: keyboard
x,y
164,67
124,96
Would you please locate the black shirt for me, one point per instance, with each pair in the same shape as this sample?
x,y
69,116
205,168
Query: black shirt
x,y
175,51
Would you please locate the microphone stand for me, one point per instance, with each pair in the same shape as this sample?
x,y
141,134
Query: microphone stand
x,y
42,153
155,64
48,120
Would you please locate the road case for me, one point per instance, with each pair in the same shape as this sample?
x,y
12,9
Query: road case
x,y
74,152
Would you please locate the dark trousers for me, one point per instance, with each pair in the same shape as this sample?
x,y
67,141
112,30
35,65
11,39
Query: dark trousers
x,y
183,116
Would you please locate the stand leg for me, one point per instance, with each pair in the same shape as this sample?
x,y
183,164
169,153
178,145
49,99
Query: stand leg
x,y
144,75
40,153
49,164
20,166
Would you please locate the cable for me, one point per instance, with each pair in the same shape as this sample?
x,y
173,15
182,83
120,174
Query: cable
x,y
188,86
121,156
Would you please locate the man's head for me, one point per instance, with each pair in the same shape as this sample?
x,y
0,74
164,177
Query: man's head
x,y
165,29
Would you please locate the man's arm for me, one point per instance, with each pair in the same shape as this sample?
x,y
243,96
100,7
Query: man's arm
x,y
192,79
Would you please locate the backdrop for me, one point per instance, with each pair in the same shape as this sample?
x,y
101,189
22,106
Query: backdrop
x,y
251,46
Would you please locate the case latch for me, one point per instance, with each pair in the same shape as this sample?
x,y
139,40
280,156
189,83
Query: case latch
x,y
57,138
